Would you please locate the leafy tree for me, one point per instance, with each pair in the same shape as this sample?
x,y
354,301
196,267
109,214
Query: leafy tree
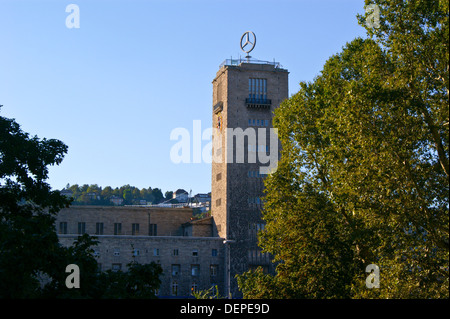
x,y
28,241
136,193
107,192
75,190
168,195
211,293
81,253
94,188
32,261
257,285
157,195
140,282
363,176
84,195
127,196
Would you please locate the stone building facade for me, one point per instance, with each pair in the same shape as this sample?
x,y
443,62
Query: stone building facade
x,y
245,94
190,257
200,254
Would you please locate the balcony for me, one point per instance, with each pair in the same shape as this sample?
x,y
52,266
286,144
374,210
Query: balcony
x,y
218,107
238,62
258,103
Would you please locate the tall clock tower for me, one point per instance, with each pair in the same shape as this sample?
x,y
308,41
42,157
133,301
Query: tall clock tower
x,y
245,94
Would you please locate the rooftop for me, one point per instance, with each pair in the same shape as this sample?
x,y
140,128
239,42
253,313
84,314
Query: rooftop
x,y
238,62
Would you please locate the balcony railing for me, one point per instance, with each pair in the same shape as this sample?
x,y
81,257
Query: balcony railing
x,y
218,107
258,103
253,61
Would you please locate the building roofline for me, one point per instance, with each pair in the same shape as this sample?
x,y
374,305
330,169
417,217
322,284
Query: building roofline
x,y
142,237
240,61
130,207
199,221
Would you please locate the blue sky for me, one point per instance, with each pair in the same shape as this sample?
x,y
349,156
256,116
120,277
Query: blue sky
x,y
114,89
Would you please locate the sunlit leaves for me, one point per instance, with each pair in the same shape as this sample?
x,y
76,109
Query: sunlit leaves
x,y
363,176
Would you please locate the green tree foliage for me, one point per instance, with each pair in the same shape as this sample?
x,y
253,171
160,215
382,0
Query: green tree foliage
x,y
32,261
28,241
211,293
127,196
363,177
140,281
96,195
81,253
168,195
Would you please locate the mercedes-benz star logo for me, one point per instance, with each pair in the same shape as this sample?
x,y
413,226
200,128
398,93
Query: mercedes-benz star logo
x,y
250,41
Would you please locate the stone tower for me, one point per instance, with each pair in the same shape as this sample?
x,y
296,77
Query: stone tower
x,y
245,94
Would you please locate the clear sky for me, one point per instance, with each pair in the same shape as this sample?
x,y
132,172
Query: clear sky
x,y
114,88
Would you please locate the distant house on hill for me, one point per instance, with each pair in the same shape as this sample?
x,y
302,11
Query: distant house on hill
x,y
202,198
181,195
67,193
116,200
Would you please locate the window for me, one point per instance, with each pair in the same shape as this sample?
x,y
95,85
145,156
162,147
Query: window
x,y
175,270
99,228
63,227
152,230
116,252
194,288
255,174
116,267
214,253
195,270
117,228
213,270
136,252
257,89
219,177
219,151
135,229
258,122
252,201
174,288
81,228
156,252
195,253
256,256
254,229
258,148
175,252
218,202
